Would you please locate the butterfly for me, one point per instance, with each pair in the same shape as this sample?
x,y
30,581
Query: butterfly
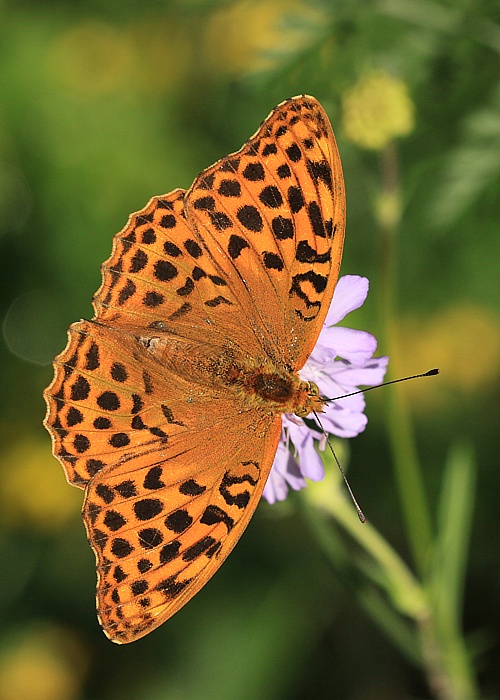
x,y
166,407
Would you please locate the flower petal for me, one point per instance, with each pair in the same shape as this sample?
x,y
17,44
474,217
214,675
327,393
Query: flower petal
x,y
372,373
311,465
355,346
344,423
275,488
285,472
341,361
350,293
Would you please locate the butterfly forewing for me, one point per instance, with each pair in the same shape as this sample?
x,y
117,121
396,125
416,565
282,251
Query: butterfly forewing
x,y
160,276
272,216
154,408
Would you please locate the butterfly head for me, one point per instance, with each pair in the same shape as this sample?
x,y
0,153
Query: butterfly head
x,y
311,400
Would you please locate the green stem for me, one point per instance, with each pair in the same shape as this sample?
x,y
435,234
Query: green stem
x,y
438,646
393,574
406,464
446,662
434,639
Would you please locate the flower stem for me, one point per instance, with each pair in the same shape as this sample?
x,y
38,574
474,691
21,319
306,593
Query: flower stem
x,y
432,642
406,464
399,582
442,646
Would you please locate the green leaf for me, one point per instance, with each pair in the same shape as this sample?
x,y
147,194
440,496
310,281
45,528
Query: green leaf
x,y
454,523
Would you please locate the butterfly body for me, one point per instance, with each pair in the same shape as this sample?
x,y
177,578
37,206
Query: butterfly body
x,y
166,407
255,382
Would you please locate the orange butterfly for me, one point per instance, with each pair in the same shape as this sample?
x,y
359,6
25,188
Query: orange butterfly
x,y
166,407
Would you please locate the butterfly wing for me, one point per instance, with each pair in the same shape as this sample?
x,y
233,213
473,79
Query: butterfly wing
x,y
194,266
163,526
244,263
272,216
160,276
251,252
169,489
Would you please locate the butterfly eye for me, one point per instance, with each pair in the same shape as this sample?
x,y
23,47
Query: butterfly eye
x,y
302,412
313,401
312,389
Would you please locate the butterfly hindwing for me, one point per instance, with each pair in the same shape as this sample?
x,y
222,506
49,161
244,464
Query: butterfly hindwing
x,y
161,524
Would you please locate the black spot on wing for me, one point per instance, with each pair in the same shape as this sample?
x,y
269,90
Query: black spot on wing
x,y
213,515
236,245
321,170
306,254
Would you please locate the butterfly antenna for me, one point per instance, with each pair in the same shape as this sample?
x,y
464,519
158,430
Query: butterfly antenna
x,y
360,513
430,373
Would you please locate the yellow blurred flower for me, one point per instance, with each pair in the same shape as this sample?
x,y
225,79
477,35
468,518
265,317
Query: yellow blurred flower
x,y
164,51
376,110
91,59
42,662
463,341
253,35
33,490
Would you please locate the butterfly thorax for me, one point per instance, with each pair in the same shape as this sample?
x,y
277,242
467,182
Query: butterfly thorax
x,y
258,382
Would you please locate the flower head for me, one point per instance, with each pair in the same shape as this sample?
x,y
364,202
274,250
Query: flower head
x,y
376,110
341,361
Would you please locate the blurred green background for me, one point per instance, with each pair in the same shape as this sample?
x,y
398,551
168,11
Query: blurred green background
x,y
104,104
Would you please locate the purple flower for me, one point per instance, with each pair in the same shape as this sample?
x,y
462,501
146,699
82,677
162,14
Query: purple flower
x,y
340,363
